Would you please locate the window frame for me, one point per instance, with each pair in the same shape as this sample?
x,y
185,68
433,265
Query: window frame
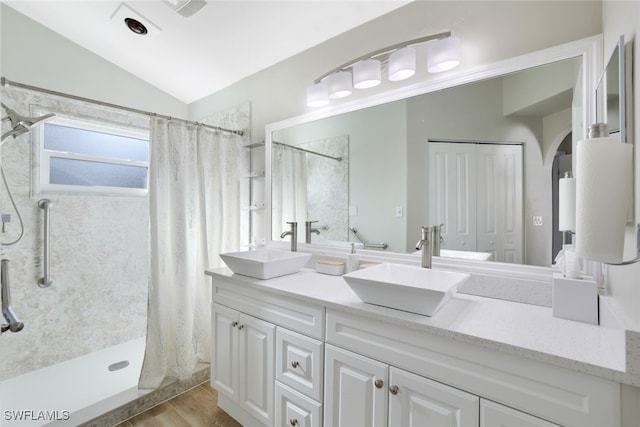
x,y
46,155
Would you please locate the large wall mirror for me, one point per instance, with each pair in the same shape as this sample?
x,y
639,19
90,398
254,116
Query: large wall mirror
x,y
480,155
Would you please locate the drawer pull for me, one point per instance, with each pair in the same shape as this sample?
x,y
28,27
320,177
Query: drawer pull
x,y
234,324
378,383
293,422
393,389
240,327
294,364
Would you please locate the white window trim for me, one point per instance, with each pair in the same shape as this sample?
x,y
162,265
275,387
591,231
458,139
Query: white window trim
x,y
44,157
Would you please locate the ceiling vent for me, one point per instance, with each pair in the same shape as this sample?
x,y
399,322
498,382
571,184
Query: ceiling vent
x,y
186,8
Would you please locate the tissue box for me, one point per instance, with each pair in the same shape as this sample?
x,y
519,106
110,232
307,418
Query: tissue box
x,y
575,299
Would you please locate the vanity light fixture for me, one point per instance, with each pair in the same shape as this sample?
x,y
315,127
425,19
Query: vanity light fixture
x,y
340,84
365,71
402,64
443,55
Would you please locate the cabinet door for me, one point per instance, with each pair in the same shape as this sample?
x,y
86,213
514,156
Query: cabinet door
x,y
495,415
224,351
415,401
256,349
355,390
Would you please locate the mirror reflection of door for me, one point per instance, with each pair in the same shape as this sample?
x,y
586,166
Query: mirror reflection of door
x,y
476,191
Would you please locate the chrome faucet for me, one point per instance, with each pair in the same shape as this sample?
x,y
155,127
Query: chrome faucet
x,y
293,232
308,230
424,245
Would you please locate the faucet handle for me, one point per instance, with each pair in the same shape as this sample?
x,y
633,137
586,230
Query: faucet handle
x,y
312,222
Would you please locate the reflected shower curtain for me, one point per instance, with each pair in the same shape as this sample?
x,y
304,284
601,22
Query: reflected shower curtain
x,y
289,189
194,199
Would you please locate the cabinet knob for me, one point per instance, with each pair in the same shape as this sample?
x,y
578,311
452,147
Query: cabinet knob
x,y
378,383
393,389
293,422
240,327
234,324
294,364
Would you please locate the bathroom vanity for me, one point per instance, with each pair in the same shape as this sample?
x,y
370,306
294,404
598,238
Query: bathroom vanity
x,y
303,350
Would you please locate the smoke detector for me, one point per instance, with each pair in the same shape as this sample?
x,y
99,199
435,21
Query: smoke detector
x,y
186,8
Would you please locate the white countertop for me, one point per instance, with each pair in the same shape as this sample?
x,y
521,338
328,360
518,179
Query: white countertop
x,y
524,330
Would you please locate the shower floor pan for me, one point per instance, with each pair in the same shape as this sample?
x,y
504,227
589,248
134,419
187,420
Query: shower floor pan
x,y
74,391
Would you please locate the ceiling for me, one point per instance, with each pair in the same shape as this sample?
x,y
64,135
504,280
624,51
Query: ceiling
x,y
190,58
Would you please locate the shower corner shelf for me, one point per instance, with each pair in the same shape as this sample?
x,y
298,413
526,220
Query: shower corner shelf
x,y
254,174
254,207
255,145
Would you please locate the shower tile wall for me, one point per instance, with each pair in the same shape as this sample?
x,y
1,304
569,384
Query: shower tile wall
x,y
99,256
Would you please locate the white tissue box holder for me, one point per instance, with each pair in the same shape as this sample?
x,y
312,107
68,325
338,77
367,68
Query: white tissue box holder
x,y
575,299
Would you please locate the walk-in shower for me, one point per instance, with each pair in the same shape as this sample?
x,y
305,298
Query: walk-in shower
x,y
56,363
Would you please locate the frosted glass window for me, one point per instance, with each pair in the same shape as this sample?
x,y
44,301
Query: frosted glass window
x,y
81,141
88,173
84,156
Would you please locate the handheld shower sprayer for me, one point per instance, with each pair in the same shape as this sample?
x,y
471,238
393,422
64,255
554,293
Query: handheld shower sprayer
x,y
13,325
21,124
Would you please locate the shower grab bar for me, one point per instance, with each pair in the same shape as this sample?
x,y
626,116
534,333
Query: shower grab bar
x,y
45,282
381,245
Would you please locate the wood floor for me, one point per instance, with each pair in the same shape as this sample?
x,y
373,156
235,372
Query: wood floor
x,y
197,407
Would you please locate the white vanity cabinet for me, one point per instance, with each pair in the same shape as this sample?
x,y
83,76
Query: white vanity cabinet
x,y
281,358
364,392
257,338
242,360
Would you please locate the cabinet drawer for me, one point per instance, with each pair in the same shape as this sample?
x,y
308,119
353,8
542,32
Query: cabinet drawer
x,y
494,415
300,362
290,313
296,410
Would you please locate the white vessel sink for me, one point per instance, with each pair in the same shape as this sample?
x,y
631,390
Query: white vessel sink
x,y
265,263
404,287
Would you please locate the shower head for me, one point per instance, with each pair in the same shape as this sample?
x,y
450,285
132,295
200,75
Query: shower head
x,y
21,124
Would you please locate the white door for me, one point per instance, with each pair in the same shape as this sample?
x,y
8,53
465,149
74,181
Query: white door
x,y
415,401
224,351
499,215
452,193
256,340
495,415
355,390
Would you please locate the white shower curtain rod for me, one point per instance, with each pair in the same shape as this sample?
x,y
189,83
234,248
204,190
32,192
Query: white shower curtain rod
x,y
6,82
293,147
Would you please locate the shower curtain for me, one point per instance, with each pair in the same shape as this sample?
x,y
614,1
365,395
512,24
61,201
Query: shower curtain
x,y
289,189
194,197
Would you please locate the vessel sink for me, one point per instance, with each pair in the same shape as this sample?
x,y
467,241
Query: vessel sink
x,y
265,263
404,287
